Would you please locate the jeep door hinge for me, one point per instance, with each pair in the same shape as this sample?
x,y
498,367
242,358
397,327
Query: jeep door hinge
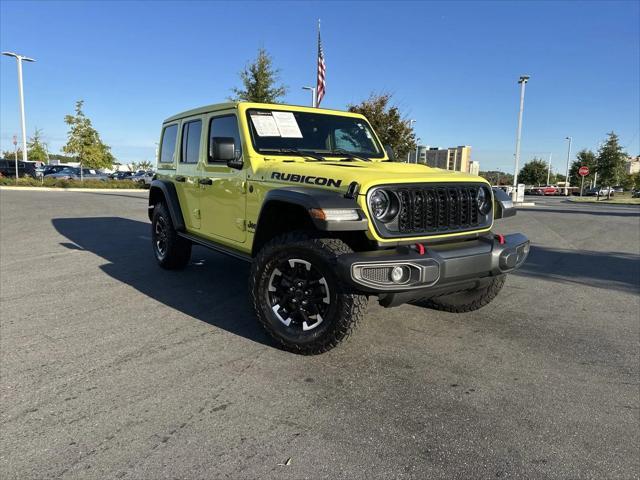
x,y
196,213
241,224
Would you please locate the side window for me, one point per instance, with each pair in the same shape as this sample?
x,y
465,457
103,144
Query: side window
x,y
226,126
168,147
191,141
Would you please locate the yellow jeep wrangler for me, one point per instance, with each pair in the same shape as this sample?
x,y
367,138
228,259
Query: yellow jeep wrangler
x,y
327,218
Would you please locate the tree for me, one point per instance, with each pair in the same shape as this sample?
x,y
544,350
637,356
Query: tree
x,y
259,80
584,158
611,161
10,154
84,142
392,128
143,165
36,148
534,172
496,177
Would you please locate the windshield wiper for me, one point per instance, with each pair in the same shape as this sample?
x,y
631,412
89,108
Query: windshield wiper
x,y
294,151
348,154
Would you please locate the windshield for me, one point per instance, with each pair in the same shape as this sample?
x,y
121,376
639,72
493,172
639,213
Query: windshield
x,y
276,131
69,170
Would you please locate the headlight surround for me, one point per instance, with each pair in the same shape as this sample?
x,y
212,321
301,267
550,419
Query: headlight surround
x,y
383,205
484,200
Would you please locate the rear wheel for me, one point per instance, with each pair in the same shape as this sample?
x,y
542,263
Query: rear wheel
x,y
298,297
171,250
467,300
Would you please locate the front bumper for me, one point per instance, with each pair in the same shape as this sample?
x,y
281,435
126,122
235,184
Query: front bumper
x,y
432,270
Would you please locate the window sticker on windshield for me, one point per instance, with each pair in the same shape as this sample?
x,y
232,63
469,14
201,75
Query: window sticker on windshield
x,y
287,124
265,125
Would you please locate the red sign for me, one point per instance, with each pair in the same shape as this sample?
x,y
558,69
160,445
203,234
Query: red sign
x,y
583,171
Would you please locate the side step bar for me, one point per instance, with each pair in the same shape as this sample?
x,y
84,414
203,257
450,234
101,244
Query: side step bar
x,y
217,247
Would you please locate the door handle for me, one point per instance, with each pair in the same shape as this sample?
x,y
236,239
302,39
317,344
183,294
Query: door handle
x,y
205,181
180,178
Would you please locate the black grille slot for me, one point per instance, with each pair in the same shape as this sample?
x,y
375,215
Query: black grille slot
x,y
435,209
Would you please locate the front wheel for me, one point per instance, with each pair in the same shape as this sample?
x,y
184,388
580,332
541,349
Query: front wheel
x,y
297,296
466,300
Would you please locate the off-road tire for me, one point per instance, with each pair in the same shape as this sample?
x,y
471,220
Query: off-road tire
x,y
345,308
176,251
467,300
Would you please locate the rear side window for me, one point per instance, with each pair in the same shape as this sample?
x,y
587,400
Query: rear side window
x,y
168,147
226,126
191,141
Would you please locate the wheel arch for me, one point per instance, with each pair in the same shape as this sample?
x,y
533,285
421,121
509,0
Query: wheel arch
x,y
165,191
288,209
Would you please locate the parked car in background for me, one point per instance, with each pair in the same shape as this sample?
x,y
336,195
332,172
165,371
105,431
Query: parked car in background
x,y
599,191
25,169
49,169
122,175
143,177
618,189
73,173
549,190
635,193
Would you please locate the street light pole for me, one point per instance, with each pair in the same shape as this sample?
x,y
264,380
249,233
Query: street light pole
x,y
522,81
20,59
411,122
549,169
313,95
566,180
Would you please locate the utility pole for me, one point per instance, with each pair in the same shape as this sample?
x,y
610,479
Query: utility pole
x,y
313,95
549,169
20,59
522,81
566,181
411,122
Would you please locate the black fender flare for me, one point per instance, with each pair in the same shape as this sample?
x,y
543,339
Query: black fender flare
x,y
168,191
314,198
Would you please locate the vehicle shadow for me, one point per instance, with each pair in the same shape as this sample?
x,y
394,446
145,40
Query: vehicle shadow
x,y
609,270
212,288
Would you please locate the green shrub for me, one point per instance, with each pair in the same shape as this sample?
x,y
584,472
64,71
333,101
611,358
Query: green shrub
x,y
61,183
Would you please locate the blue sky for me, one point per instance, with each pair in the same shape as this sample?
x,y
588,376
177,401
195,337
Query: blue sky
x,y
452,66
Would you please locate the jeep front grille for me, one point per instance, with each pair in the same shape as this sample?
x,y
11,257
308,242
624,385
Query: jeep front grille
x,y
428,209
433,209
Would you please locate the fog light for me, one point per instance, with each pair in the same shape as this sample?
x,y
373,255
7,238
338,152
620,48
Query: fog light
x,y
397,274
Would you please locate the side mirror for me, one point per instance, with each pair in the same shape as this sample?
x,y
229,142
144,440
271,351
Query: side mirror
x,y
503,204
390,153
223,149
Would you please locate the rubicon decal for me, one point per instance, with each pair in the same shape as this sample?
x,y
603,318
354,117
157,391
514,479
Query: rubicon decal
x,y
308,179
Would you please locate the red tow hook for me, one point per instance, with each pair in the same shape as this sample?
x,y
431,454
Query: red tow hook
x,y
500,238
420,248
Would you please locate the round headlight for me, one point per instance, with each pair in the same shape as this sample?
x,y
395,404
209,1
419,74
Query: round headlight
x,y
380,204
484,200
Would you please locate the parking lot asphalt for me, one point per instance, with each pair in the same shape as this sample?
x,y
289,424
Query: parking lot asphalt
x,y
113,368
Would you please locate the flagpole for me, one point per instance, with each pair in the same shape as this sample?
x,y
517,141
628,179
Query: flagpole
x,y
315,91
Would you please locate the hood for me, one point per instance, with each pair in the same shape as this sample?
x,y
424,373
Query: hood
x,y
339,174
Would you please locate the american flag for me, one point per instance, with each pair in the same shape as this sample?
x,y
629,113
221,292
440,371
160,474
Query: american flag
x,y
321,85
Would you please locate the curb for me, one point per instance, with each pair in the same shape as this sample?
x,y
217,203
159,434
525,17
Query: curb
x,y
603,202
61,189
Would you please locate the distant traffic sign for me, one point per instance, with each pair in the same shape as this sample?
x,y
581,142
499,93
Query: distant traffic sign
x,y
583,171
